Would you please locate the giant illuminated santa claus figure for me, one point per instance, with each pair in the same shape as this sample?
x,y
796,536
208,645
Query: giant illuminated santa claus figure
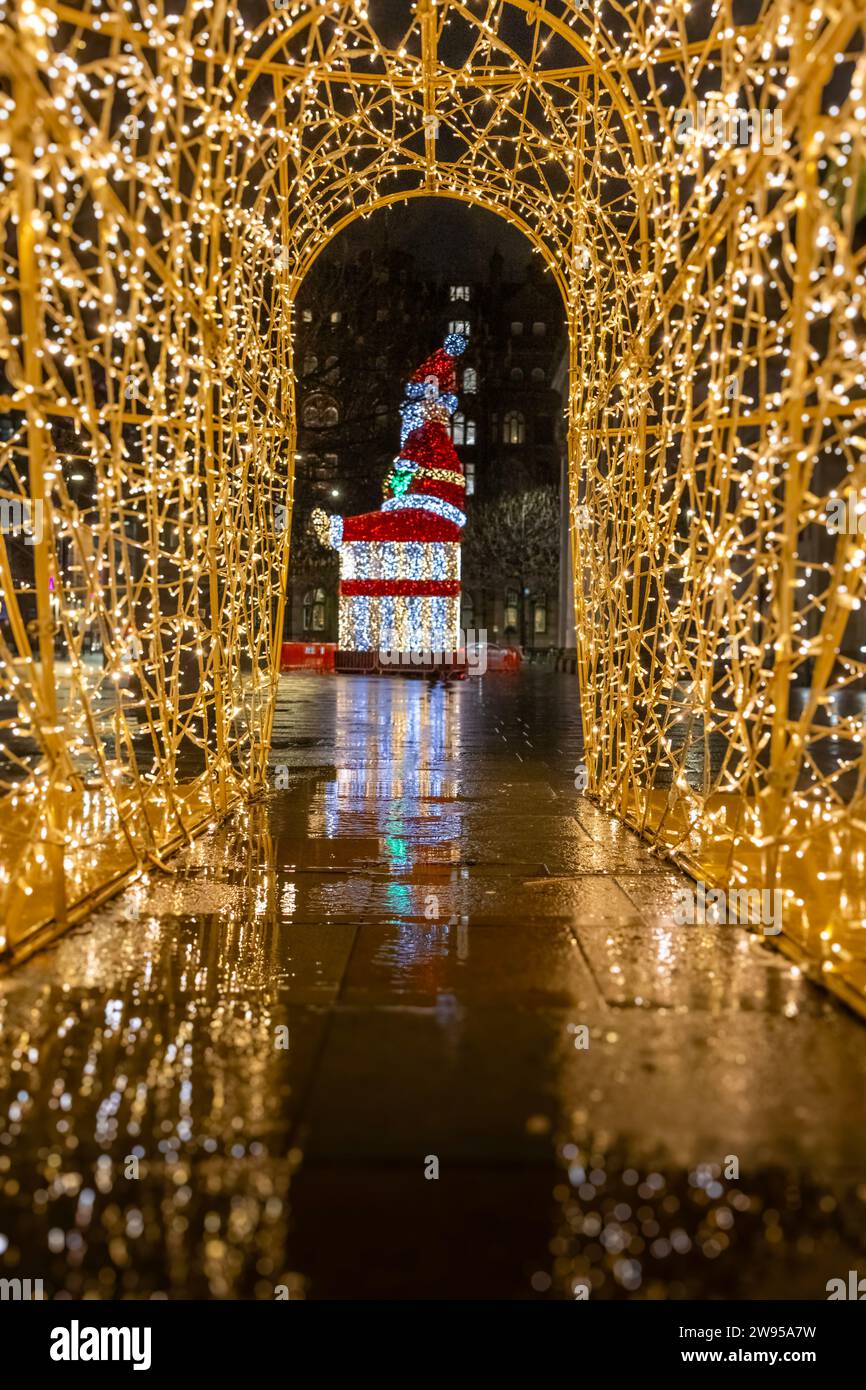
x,y
400,566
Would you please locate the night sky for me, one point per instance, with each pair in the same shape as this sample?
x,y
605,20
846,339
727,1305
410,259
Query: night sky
x,y
444,234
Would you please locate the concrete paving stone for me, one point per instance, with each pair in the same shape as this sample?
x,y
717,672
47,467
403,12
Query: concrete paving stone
x,y
704,1232
595,858
482,967
345,852
603,827
302,963
480,1085
210,1078
204,1230
684,1089
389,1233
506,788
478,895
515,824
589,898
564,852
655,898
366,821
639,1079
372,1227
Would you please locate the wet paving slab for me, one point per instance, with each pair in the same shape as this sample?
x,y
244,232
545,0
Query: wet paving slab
x,y
527,966
421,1024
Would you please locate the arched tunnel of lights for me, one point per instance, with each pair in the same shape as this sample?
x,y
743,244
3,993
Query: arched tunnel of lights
x,y
170,177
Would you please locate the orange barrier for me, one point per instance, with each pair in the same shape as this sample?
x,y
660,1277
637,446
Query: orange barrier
x,y
319,656
391,663
307,656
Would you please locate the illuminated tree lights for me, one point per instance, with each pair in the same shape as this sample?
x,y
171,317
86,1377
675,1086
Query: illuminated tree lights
x,y
400,566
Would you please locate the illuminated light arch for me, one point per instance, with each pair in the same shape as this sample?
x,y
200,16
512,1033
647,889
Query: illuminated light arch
x,y
392,199
148,304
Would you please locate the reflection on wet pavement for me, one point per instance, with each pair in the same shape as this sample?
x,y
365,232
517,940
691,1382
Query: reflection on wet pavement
x,y
424,944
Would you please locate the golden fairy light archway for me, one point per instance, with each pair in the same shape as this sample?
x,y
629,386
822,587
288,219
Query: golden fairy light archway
x,y
692,183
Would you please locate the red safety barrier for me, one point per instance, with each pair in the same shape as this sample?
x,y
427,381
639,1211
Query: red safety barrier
x,y
319,656
307,656
503,658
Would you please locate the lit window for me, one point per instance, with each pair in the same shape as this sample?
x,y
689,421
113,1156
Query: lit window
x,y
459,326
470,381
539,329
539,614
460,292
336,316
470,479
511,616
307,316
314,610
462,430
516,329
513,428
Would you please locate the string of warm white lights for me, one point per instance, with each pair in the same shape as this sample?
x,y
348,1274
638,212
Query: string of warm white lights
x,y
692,186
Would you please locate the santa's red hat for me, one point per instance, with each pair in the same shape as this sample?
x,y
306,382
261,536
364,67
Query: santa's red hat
x,y
441,364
